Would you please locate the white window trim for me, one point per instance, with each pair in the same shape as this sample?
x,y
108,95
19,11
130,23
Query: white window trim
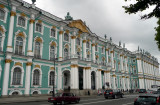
x,y
69,35
67,48
41,46
24,41
103,52
40,78
39,92
26,20
55,82
56,31
3,37
80,42
6,13
0,71
55,49
22,75
41,30
15,90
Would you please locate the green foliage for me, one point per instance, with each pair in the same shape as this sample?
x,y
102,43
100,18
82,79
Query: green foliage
x,y
142,5
157,35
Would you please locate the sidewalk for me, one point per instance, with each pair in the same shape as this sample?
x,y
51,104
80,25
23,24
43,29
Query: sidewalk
x,y
25,99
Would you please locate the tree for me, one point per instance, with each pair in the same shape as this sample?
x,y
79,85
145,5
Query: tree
x,y
142,5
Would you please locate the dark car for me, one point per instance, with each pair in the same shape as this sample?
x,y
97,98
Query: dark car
x,y
63,98
148,99
142,91
113,93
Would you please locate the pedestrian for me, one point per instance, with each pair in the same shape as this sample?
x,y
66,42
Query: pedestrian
x,y
88,93
69,88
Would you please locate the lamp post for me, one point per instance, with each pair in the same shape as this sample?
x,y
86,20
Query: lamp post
x,y
53,94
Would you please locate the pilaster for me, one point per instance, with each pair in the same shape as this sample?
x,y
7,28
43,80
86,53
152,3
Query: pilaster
x,y
60,43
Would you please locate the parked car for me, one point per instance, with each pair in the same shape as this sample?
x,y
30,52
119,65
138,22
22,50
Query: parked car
x,y
147,99
113,93
151,92
63,98
142,90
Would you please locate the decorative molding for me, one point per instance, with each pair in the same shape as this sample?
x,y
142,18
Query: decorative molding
x,y
38,39
107,49
13,13
8,60
113,75
53,27
93,44
40,21
60,32
37,66
18,64
28,63
23,15
1,29
21,34
111,51
2,6
52,68
74,66
67,31
31,21
53,44
87,68
84,41
99,69
73,37
9,46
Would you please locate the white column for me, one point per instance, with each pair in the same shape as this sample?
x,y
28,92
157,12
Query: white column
x,y
100,79
123,80
76,77
84,49
30,37
93,52
108,78
28,77
122,69
97,81
73,43
84,78
11,27
107,55
112,60
60,44
105,79
128,83
72,77
6,75
89,78
114,82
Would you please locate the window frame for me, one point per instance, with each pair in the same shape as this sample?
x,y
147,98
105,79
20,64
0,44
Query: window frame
x,y
55,29
6,14
65,37
42,27
40,77
26,20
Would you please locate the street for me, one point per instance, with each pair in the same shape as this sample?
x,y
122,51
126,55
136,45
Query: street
x,y
99,100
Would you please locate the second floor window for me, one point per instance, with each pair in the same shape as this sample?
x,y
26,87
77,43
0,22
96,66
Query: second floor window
x,y
51,78
36,77
78,41
16,76
87,44
66,37
21,21
37,50
53,33
38,27
19,46
0,40
52,52
2,14
65,53
102,49
96,47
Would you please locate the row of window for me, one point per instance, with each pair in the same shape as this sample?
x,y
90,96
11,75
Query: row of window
x,y
17,77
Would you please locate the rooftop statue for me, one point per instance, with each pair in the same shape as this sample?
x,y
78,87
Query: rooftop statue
x,y
33,1
68,17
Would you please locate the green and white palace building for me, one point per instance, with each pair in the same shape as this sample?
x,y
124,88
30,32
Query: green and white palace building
x,y
31,40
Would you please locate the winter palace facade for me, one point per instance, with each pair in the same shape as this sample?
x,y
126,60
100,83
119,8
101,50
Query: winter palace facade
x,y
32,40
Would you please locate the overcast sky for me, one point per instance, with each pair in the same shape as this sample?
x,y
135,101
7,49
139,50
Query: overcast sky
x,y
108,17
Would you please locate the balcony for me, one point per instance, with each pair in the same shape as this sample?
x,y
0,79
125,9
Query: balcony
x,y
19,53
37,56
67,58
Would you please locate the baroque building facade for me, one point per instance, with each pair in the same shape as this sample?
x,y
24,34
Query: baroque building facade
x,y
32,40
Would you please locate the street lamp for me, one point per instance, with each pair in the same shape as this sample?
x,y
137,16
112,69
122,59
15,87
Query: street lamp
x,y
54,59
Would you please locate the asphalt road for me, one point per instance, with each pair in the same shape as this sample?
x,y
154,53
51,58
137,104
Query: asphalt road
x,y
127,100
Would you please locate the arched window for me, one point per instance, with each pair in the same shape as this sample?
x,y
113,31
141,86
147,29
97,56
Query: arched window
x,y
66,53
38,27
2,14
66,37
15,93
53,33
96,48
0,41
19,46
78,54
37,50
16,76
35,92
88,56
51,78
78,41
21,21
87,44
52,52
36,77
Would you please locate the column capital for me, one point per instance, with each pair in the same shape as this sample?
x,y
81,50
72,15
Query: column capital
x,y
31,21
93,44
8,60
87,68
60,32
13,13
74,65
28,63
73,37
84,41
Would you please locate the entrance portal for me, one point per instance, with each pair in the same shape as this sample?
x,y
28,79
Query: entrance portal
x,y
66,79
80,70
93,80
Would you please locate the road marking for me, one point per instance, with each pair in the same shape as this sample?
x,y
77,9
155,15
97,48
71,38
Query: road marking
x,y
128,103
